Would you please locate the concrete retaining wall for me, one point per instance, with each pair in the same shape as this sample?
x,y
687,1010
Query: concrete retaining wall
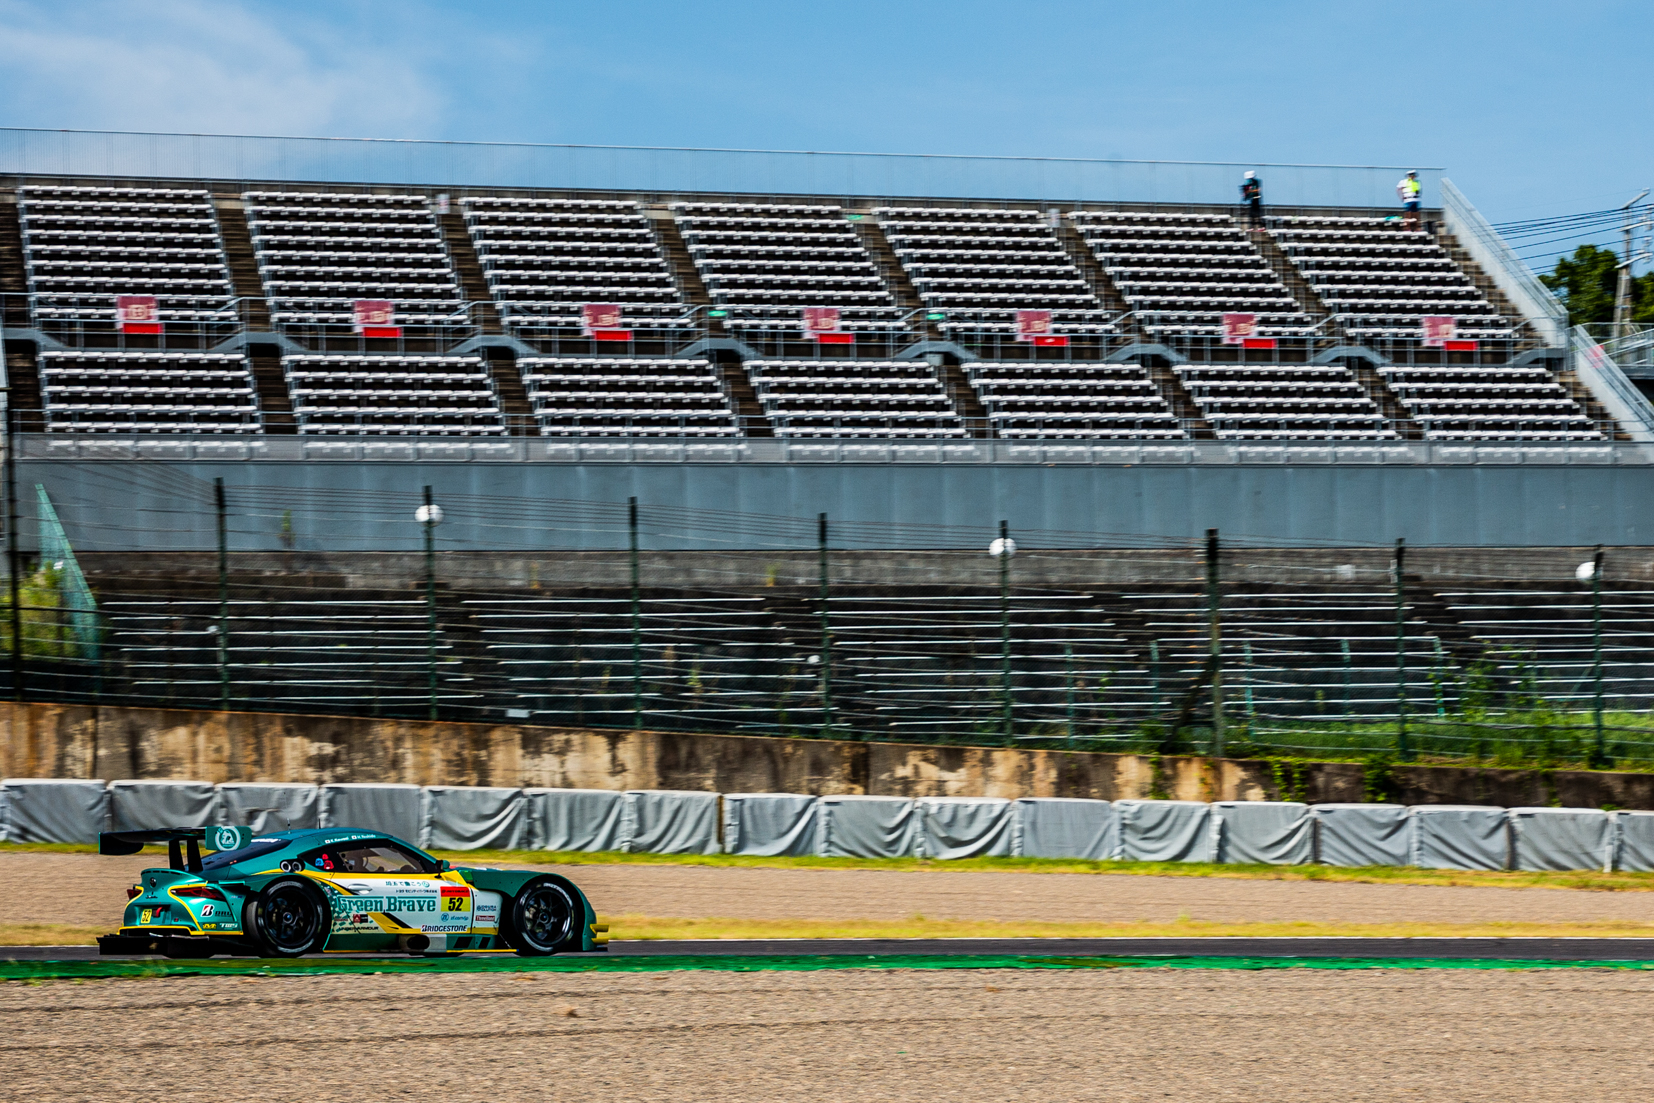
x,y
76,741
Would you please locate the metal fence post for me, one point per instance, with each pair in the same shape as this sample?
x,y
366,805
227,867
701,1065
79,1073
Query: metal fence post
x,y
430,597
1068,677
826,633
1007,720
637,618
13,561
223,599
1403,751
1600,755
1214,642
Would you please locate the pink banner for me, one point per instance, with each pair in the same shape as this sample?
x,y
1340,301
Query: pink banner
x,y
1237,328
1033,325
596,316
1438,330
820,320
372,314
137,314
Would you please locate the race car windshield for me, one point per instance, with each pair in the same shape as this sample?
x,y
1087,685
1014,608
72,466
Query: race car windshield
x,y
255,849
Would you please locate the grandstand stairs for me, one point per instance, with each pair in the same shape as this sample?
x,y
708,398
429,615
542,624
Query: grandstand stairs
x,y
1436,614
244,277
688,279
468,268
1374,387
743,396
1171,388
1302,293
1489,290
966,402
275,403
1098,279
14,283
508,388
895,277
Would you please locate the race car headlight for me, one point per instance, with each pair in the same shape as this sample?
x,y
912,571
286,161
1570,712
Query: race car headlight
x,y
200,892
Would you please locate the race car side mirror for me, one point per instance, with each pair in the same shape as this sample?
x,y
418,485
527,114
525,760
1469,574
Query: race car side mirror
x,y
443,864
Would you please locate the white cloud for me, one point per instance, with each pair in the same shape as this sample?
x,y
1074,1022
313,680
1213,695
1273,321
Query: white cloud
x,y
192,66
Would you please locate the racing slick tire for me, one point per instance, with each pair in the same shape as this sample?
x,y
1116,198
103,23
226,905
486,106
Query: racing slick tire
x,y
543,918
287,918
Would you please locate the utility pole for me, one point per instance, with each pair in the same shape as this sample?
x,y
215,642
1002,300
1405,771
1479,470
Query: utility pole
x,y
1622,297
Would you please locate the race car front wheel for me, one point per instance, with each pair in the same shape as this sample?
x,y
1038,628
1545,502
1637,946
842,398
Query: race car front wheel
x,y
541,918
287,918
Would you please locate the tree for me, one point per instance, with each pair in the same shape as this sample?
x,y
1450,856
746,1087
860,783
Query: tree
x,y
1588,282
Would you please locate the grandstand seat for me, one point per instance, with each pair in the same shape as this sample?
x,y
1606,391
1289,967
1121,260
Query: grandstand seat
x,y
981,265
1489,402
1283,402
83,246
605,396
765,263
1379,278
854,398
1072,399
112,391
319,252
1182,272
545,258
392,394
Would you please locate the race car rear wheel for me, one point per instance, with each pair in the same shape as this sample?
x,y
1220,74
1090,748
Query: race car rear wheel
x,y
541,919
288,918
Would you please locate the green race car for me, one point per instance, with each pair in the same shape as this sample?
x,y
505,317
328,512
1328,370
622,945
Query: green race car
x,y
338,890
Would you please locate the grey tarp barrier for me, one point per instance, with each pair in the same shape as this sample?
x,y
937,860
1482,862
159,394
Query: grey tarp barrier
x,y
576,819
141,805
966,827
1277,833
269,807
1634,841
1459,836
1066,827
671,821
769,824
1363,834
461,817
1561,838
1165,830
391,809
49,810
867,827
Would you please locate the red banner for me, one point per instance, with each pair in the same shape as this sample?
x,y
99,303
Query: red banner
x,y
375,318
1032,325
1258,343
1239,328
1460,346
1438,330
1051,341
137,314
822,323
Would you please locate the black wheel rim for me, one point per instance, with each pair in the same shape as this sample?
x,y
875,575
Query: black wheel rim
x,y
288,918
545,916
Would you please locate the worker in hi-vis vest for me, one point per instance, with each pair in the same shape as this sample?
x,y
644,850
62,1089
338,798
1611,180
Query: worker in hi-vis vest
x,y
1252,195
1409,189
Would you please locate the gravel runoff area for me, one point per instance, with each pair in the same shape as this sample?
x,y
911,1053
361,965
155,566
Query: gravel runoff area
x,y
848,1035
88,890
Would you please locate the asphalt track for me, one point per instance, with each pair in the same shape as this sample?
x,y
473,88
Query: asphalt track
x,y
1552,949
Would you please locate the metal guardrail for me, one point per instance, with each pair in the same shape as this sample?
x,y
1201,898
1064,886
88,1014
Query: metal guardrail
x,y
749,450
1613,389
1503,266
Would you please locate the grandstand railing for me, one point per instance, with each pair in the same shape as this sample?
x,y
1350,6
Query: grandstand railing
x,y
248,159
631,449
1504,267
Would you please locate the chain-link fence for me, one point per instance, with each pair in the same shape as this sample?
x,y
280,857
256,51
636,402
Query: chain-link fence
x,y
501,609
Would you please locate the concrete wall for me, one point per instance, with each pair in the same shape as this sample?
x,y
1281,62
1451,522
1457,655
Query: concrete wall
x,y
74,741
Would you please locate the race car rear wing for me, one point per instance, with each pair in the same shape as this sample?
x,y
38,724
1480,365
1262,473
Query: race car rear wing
x,y
183,843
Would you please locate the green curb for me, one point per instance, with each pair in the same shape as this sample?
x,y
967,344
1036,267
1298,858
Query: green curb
x,y
311,967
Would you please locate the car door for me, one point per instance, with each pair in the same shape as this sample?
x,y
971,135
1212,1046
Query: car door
x,y
386,881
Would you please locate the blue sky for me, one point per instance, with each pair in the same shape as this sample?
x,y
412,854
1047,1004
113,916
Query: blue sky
x,y
1532,107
